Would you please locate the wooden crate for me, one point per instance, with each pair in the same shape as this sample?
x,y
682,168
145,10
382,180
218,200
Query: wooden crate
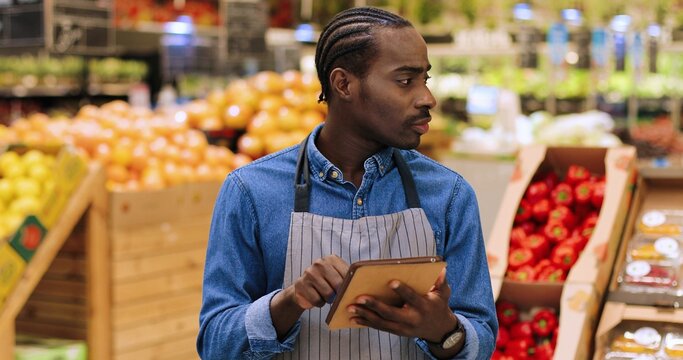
x,y
31,306
130,277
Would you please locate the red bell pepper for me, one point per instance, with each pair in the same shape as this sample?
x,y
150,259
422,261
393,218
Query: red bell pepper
x,y
536,191
507,313
564,256
555,232
583,192
541,265
529,227
517,234
577,174
544,351
519,349
550,178
588,225
526,273
520,257
598,194
540,210
521,330
544,323
523,211
553,340
562,194
503,338
552,274
499,355
538,245
577,241
564,215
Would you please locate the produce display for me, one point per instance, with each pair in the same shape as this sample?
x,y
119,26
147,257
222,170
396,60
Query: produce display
x,y
525,334
34,71
26,180
114,70
275,110
141,150
654,257
644,341
130,13
554,222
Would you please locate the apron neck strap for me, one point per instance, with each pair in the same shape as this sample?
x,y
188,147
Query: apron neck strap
x,y
302,180
409,188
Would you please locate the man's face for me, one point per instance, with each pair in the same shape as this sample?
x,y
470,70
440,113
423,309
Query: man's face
x,y
393,103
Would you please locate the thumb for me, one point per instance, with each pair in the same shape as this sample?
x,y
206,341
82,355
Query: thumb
x,y
440,282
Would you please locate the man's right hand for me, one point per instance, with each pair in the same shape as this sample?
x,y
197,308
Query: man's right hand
x,y
318,284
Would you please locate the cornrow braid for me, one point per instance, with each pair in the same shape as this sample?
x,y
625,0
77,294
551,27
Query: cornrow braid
x,y
348,42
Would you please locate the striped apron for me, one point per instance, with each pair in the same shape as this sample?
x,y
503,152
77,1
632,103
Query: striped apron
x,y
403,234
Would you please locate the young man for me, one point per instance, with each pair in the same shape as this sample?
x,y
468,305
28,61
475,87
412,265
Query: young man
x,y
278,251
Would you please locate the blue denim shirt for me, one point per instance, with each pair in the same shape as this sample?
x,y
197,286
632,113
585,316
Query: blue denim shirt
x,y
245,257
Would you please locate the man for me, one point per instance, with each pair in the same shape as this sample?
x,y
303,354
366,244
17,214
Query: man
x,y
277,255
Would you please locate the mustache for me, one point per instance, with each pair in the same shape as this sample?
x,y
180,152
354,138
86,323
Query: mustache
x,y
422,115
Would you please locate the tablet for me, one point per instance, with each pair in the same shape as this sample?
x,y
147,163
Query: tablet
x,y
372,277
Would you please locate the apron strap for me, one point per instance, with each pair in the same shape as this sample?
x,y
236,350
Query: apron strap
x,y
302,180
412,198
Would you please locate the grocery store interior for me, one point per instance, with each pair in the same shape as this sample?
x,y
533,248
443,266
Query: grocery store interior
x,y
120,119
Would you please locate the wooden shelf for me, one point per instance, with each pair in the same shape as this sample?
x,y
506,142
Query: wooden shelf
x,y
80,200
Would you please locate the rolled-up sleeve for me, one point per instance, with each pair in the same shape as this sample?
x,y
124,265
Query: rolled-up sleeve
x,y
235,320
468,276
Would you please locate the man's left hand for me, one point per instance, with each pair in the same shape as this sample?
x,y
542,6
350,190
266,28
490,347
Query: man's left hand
x,y
424,316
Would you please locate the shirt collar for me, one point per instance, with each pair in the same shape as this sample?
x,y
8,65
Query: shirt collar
x,y
322,168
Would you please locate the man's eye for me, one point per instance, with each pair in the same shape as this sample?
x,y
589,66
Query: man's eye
x,y
405,81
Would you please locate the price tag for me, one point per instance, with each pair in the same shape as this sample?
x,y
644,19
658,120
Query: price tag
x,y
653,218
558,37
638,268
599,47
667,246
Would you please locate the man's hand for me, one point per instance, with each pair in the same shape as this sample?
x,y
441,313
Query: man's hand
x,y
424,316
315,287
319,282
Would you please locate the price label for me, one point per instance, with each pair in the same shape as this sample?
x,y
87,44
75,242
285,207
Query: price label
x,y
653,218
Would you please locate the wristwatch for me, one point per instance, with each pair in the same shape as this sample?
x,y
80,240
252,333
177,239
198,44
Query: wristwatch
x,y
452,338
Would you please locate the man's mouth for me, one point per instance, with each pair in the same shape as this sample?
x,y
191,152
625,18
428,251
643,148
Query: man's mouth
x,y
421,125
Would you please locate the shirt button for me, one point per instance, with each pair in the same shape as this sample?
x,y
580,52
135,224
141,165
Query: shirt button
x,y
321,174
359,201
381,167
334,174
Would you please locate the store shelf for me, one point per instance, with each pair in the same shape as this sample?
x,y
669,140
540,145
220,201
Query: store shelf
x,y
158,28
79,202
109,89
20,91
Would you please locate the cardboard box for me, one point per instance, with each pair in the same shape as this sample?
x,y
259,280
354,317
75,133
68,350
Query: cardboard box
x,y
578,306
594,265
615,313
652,192
28,237
655,190
34,348
12,266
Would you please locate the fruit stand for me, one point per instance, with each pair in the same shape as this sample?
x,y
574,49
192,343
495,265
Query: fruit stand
x,y
83,202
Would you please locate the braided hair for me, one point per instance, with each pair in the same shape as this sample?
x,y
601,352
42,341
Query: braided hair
x,y
347,42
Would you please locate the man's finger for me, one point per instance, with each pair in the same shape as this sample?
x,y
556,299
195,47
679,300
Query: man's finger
x,y
406,293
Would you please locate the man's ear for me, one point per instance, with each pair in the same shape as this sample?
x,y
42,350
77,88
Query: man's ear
x,y
342,83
